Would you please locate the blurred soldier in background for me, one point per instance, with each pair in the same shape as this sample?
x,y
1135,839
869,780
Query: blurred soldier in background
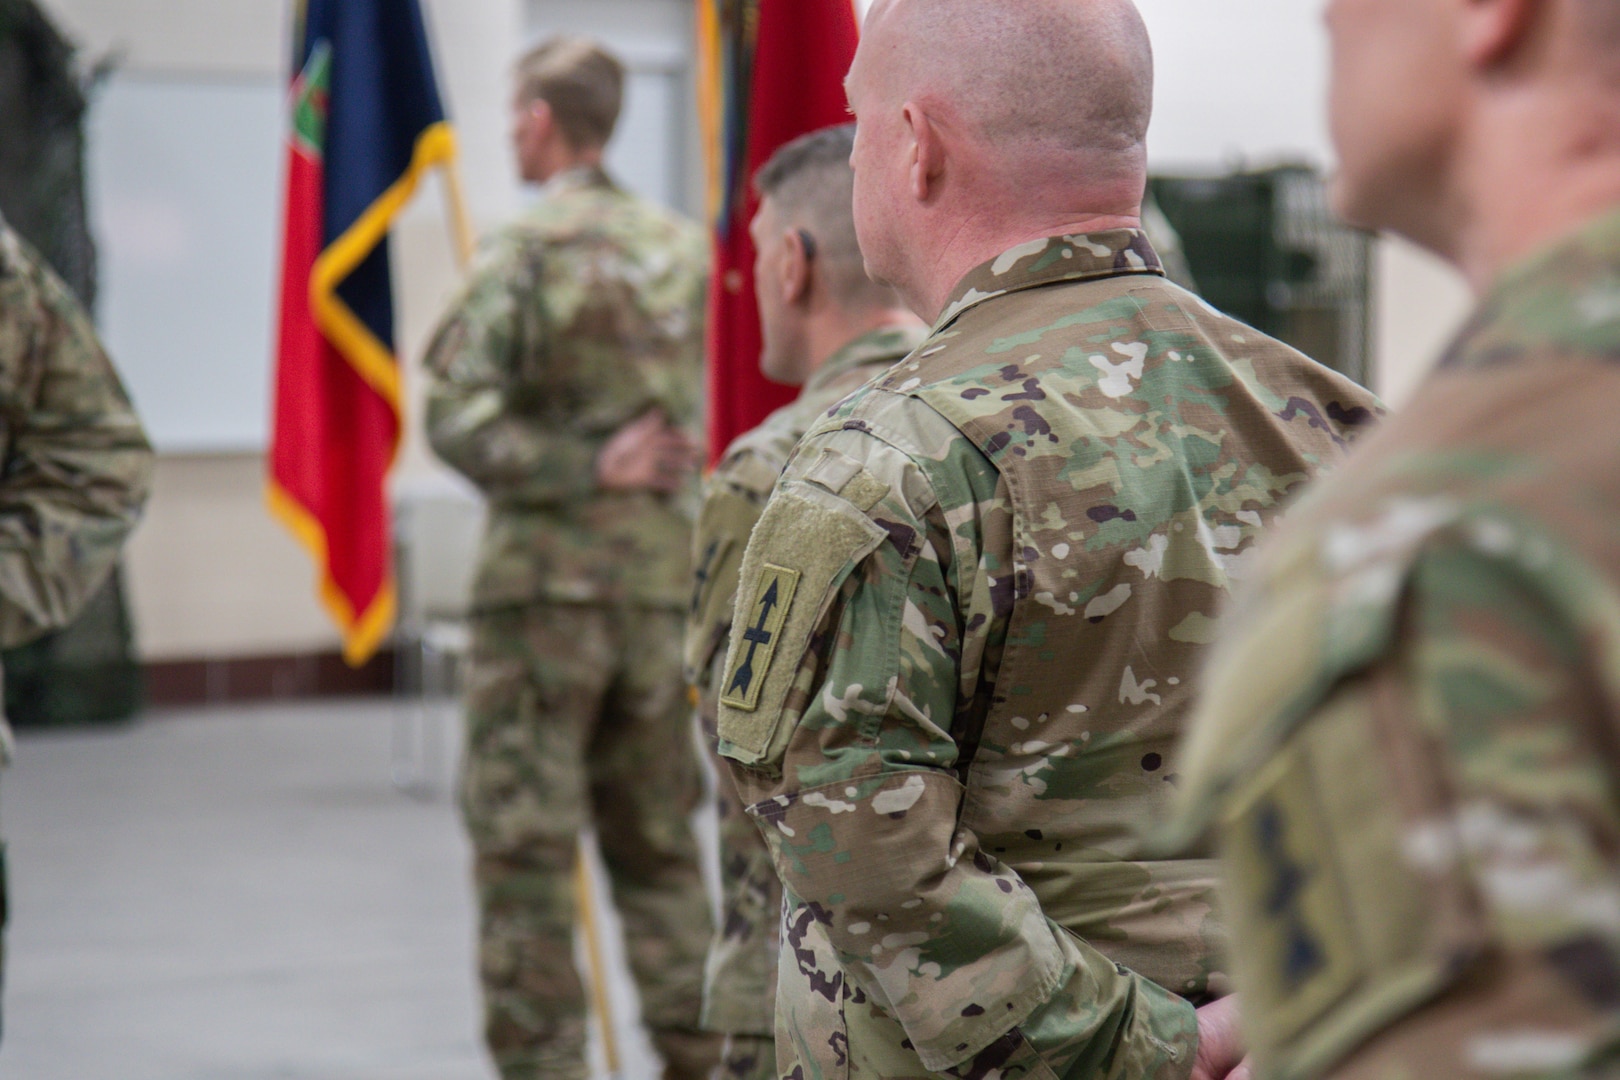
x,y
565,383
85,672
1409,747
77,467
830,329
970,615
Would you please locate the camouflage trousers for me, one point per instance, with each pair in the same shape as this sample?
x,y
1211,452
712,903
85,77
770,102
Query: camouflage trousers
x,y
576,715
739,985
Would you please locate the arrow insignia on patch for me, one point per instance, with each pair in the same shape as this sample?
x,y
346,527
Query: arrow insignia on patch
x,y
753,652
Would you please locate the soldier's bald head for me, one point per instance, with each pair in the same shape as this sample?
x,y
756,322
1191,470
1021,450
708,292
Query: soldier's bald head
x,y
986,124
1043,81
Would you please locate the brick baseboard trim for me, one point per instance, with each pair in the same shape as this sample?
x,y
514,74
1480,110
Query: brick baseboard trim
x,y
288,677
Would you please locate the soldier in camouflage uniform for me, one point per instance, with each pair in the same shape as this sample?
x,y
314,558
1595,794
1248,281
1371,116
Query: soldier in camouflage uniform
x,y
77,466
565,383
829,328
977,599
1408,745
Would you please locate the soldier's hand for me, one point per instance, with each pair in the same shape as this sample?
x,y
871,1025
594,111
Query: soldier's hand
x,y
1220,1043
647,454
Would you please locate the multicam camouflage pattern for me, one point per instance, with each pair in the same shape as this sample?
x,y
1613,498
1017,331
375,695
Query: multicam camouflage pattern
x,y
739,993
77,466
974,608
579,318
1408,747
577,716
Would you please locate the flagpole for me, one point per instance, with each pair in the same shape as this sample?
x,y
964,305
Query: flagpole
x,y
586,901
462,236
465,243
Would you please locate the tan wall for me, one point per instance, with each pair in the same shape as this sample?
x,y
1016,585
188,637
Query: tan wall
x,y
1419,303
211,576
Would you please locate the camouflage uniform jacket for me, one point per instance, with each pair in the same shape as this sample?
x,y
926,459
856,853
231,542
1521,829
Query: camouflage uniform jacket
x,y
1409,748
974,608
578,318
77,466
740,988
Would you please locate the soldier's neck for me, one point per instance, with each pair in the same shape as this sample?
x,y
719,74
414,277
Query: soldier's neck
x,y
1548,168
562,158
828,334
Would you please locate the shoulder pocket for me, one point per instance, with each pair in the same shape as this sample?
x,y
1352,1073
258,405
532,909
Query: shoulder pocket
x,y
1345,924
804,547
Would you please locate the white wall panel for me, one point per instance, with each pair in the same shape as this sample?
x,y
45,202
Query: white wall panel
x,y
185,178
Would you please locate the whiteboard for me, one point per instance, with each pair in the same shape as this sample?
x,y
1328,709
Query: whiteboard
x,y
185,190
646,152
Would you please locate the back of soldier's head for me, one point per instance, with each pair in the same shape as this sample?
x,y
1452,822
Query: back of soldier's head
x,y
583,84
1046,83
809,185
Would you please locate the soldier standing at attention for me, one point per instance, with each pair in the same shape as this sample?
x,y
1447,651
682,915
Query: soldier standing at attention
x,y
1408,746
828,328
76,466
565,383
970,616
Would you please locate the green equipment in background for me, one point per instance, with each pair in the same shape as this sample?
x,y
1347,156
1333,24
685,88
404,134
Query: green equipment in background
x,y
1264,247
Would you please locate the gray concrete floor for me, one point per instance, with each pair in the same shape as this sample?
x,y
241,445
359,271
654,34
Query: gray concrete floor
x,y
241,895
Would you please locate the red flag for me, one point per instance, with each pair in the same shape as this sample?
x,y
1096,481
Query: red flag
x,y
366,123
772,70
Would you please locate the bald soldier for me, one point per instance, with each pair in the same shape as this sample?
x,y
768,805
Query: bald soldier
x,y
1444,616
970,615
828,328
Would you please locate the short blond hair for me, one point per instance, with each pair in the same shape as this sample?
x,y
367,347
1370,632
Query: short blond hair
x,y
581,81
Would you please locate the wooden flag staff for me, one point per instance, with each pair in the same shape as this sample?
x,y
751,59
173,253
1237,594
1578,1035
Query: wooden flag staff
x,y
465,241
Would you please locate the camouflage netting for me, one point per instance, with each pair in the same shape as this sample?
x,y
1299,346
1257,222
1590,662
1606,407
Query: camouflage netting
x,y
86,673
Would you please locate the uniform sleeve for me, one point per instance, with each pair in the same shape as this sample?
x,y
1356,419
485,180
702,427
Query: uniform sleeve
x,y
853,780
78,466
732,500
1450,905
1502,683
488,389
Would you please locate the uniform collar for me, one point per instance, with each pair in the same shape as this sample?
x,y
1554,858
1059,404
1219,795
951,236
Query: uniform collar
x,y
1055,259
1565,300
892,343
579,178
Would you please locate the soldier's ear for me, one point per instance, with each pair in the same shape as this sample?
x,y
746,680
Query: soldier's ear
x,y
543,120
927,160
796,259
1494,32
